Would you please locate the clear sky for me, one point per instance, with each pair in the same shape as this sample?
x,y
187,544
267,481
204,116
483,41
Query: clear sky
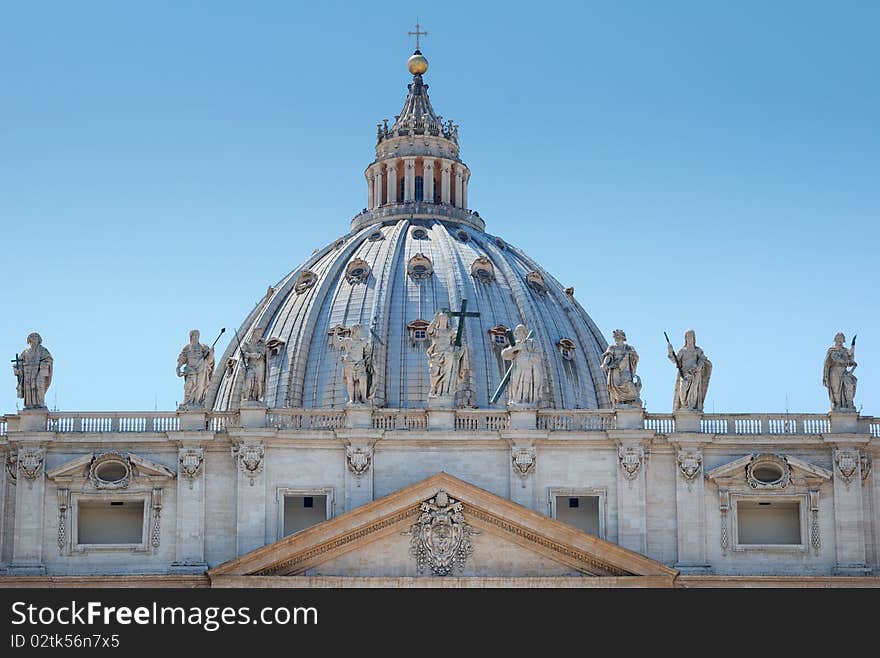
x,y
713,165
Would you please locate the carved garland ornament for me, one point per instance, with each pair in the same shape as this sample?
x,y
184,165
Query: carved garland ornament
x,y
441,540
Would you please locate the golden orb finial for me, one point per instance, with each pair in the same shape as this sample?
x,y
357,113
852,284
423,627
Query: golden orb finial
x,y
417,63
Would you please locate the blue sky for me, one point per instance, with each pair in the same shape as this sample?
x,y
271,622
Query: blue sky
x,y
681,164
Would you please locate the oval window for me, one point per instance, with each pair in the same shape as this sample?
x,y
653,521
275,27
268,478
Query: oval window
x,y
112,471
419,234
767,473
375,236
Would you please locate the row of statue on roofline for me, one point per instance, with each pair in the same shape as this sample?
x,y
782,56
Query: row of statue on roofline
x,y
448,369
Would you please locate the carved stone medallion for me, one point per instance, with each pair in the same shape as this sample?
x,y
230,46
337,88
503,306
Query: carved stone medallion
x,y
190,463
441,540
768,471
524,460
690,464
847,464
250,458
359,459
631,461
30,462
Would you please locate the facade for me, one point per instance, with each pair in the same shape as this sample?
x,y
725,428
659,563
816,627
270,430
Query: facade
x,y
422,404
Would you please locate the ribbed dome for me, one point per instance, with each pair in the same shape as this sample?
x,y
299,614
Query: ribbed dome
x,y
416,249
390,276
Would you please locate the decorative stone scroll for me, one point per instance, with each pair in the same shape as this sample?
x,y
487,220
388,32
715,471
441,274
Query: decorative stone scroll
x,y
441,539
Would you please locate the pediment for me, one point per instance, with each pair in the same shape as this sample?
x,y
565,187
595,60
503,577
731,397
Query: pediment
x,y
443,526
125,467
791,469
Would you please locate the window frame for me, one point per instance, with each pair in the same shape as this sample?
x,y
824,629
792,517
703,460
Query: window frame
x,y
803,501
581,492
281,493
73,544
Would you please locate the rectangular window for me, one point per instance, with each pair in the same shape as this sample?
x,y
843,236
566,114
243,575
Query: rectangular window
x,y
301,512
768,522
582,512
110,522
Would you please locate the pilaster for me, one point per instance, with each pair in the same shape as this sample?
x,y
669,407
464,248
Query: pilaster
x,y
428,176
250,508
27,530
632,520
849,529
690,505
190,544
391,173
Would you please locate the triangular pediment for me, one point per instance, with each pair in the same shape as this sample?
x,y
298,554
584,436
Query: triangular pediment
x,y
128,466
411,532
738,470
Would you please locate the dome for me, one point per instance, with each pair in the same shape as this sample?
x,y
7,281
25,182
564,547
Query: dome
x,y
415,250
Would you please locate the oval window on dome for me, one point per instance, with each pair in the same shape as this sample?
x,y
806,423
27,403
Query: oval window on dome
x,y
419,234
339,243
483,270
501,244
462,235
375,236
358,271
420,267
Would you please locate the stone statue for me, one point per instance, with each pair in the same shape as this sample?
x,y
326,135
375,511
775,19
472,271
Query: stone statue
x,y
619,363
254,360
837,375
33,368
356,365
694,370
447,364
527,369
197,361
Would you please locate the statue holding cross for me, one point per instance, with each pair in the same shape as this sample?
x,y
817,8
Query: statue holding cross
x,y
447,359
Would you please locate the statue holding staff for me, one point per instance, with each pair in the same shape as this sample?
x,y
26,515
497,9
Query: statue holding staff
x,y
837,375
195,364
694,371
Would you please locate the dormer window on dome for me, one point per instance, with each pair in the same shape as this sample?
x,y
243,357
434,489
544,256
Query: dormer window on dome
x,y
418,332
566,348
304,281
358,271
420,267
375,236
462,236
483,270
498,335
536,282
419,234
